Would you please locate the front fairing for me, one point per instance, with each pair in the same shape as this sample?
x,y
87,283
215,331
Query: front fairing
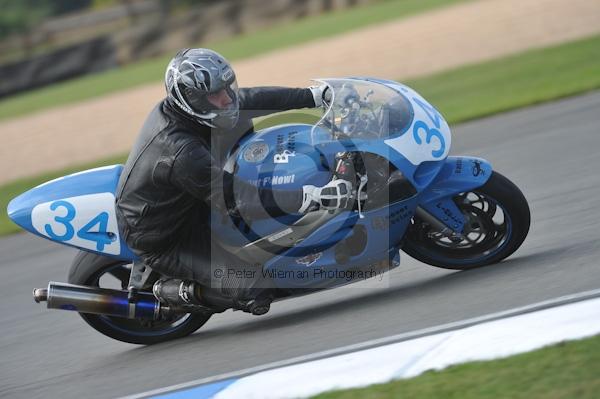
x,y
388,119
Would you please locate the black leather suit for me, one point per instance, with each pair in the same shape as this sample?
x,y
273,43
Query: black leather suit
x,y
174,174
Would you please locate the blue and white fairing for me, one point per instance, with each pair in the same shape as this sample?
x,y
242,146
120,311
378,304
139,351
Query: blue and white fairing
x,y
400,126
408,131
76,210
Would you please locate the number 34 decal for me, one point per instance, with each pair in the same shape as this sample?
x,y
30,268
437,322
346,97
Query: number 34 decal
x,y
86,221
430,136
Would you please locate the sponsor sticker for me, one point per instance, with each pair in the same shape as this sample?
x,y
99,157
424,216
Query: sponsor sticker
x,y
280,234
283,157
256,152
273,180
308,260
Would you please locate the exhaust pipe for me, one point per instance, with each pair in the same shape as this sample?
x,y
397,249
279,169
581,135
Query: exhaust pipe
x,y
109,302
40,295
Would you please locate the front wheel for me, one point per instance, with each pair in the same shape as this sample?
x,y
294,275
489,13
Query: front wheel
x,y
99,271
497,221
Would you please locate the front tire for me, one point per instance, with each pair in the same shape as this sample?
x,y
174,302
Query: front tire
x,y
497,222
98,271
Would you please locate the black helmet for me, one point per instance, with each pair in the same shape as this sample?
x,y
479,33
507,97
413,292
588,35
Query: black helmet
x,y
193,79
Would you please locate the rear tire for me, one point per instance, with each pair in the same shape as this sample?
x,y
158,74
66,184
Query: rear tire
x,y
89,269
489,240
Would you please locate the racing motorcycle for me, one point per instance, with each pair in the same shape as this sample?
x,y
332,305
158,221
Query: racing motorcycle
x,y
408,194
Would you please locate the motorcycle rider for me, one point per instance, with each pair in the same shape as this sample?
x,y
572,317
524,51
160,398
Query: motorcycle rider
x,y
174,176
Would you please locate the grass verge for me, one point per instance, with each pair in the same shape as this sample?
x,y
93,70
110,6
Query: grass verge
x,y
524,79
564,371
465,93
239,47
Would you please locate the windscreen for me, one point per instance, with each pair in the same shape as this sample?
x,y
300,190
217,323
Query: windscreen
x,y
360,109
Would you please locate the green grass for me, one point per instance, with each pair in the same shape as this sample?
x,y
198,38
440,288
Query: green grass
x,y
520,80
239,47
461,94
564,371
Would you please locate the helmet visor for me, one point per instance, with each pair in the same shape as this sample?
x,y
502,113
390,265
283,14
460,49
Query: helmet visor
x,y
224,104
224,98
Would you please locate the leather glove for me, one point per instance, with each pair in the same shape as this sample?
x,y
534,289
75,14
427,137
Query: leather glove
x,y
334,195
321,95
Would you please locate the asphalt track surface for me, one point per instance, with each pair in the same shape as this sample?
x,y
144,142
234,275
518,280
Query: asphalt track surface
x,y
549,151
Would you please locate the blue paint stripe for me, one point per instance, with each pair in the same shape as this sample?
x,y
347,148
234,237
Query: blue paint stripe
x,y
199,392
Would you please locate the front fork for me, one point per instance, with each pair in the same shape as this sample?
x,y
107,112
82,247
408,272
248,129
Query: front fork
x,y
436,204
438,226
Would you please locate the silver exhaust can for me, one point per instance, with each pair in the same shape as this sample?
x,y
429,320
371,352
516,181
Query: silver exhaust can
x,y
104,301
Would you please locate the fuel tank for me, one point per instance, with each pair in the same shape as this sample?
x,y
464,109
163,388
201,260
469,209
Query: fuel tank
x,y
282,157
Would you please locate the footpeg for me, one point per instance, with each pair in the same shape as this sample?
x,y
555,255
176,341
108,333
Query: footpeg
x,y
257,307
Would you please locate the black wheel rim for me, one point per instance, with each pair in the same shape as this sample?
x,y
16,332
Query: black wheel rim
x,y
487,231
117,277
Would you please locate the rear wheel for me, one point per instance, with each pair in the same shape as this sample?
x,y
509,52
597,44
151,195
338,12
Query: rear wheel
x,y
497,220
98,271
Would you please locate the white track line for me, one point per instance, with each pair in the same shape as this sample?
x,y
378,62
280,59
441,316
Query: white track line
x,y
563,300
